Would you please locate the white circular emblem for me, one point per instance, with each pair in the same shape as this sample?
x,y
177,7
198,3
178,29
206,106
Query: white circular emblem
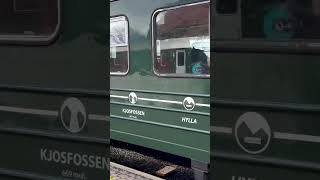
x,y
188,103
73,115
253,133
133,98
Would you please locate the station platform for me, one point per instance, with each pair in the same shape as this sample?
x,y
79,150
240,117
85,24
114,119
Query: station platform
x,y
120,172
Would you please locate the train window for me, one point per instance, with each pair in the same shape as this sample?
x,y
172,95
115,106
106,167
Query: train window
x,y
182,41
29,20
119,47
281,19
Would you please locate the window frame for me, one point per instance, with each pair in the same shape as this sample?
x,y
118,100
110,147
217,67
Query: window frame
x,y
154,43
127,37
34,39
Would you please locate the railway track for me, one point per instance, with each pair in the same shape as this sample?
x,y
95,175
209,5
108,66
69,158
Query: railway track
x,y
150,161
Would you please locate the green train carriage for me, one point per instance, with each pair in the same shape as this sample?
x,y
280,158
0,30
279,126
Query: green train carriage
x,y
53,90
160,79
266,95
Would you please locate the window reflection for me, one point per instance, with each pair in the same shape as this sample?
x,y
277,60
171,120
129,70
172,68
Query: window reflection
x,y
281,19
119,50
182,41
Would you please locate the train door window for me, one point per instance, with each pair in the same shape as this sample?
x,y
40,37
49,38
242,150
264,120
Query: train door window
x,y
180,62
181,41
29,20
276,20
119,47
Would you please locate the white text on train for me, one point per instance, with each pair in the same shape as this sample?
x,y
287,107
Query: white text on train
x,y
76,159
133,112
189,120
242,178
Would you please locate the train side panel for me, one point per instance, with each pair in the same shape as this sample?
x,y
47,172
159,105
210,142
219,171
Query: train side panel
x,y
158,119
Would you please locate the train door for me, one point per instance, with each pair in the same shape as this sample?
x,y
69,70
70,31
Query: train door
x,y
180,61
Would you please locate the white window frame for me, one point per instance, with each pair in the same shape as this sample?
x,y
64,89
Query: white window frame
x,y
154,43
122,18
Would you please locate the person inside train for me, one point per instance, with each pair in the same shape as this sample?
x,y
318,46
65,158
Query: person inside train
x,y
199,61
